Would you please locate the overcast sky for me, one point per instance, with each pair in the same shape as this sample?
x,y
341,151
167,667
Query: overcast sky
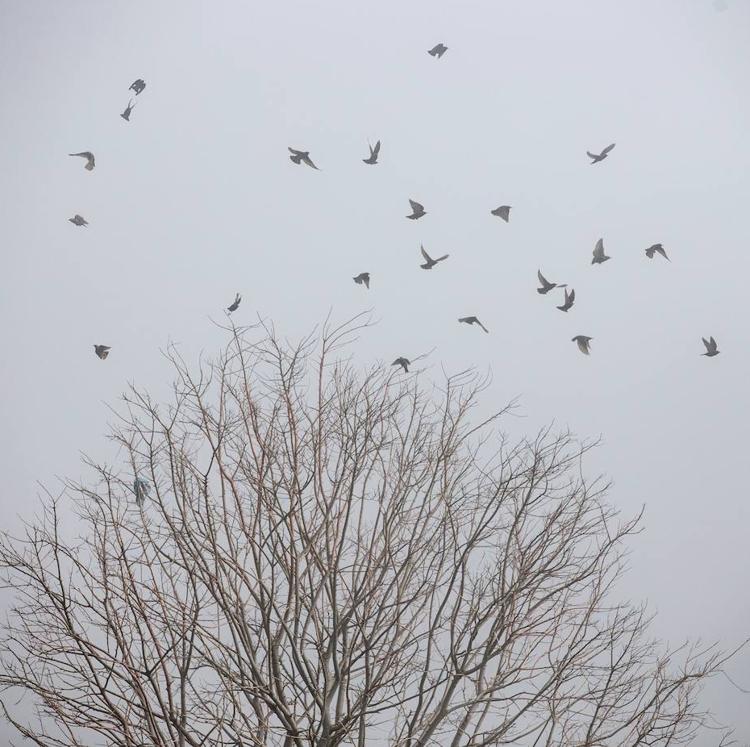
x,y
196,199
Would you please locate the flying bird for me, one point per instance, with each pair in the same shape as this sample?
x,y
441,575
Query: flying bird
x,y
142,490
711,348
656,249
502,212
596,158
363,277
302,156
569,300
235,304
417,210
102,350
373,154
89,156
129,108
438,50
78,220
599,255
429,262
546,285
583,343
137,86
473,320
403,362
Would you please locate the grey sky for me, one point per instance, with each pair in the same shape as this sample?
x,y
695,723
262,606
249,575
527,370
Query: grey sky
x,y
196,199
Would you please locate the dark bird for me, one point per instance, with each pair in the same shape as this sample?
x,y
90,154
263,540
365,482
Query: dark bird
x,y
102,350
473,320
656,249
129,108
137,86
142,490
363,277
429,262
569,300
583,343
502,212
417,210
403,362
599,255
235,304
301,156
596,158
78,220
373,154
711,348
438,50
546,285
89,156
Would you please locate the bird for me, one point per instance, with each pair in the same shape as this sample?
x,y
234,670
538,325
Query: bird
x,y
569,300
137,85
658,249
302,156
438,50
417,210
546,285
102,350
235,304
129,108
599,255
429,262
89,156
473,320
596,158
78,220
711,348
363,277
403,362
583,343
373,159
502,212
142,490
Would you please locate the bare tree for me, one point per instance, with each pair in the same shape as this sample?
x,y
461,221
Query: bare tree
x,y
322,555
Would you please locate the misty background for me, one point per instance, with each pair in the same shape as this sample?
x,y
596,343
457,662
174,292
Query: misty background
x,y
195,199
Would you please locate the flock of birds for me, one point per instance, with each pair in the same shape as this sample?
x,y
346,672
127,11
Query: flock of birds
x,y
418,211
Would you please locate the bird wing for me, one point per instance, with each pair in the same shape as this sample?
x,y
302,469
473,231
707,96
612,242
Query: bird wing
x,y
295,152
376,150
424,254
570,297
542,279
482,326
309,162
415,206
465,319
706,343
591,155
599,248
608,149
713,343
440,259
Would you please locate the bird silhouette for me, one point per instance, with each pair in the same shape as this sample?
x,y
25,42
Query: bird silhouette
x,y
583,343
438,50
302,156
403,362
78,220
711,347
601,156
417,210
129,108
546,285
235,304
599,255
473,320
373,154
569,300
89,156
502,212
102,350
137,86
363,277
429,262
656,249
